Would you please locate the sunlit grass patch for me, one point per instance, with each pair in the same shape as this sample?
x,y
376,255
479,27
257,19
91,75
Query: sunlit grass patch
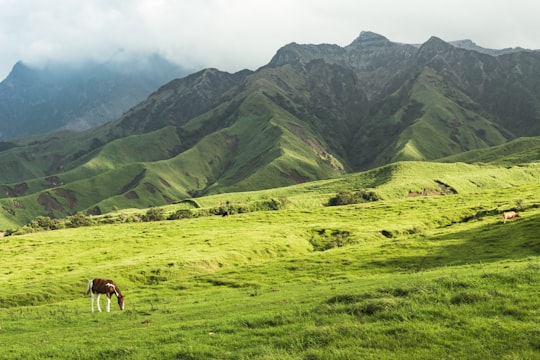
x,y
420,277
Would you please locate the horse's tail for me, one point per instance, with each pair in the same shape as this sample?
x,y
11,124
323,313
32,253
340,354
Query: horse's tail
x,y
90,284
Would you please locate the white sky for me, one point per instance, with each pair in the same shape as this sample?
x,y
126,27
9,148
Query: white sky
x,y
235,34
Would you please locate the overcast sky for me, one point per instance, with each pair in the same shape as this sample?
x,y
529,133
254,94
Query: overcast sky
x,y
235,34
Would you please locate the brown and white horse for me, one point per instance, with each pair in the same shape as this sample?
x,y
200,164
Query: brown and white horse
x,y
108,287
510,215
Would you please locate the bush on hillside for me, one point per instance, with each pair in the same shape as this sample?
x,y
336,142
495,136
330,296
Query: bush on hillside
x,y
349,197
181,214
133,218
326,239
78,220
154,214
46,223
270,204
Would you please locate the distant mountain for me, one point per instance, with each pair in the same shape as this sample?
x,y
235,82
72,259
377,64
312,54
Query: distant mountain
x,y
313,112
471,45
36,100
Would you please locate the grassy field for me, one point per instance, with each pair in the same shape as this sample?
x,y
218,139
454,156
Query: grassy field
x,y
410,278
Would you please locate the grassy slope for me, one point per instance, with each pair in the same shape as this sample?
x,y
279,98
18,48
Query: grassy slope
x,y
450,123
258,139
521,150
263,149
451,281
160,181
393,182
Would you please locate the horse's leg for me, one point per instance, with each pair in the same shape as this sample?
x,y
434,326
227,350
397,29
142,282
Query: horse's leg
x,y
97,300
108,303
92,300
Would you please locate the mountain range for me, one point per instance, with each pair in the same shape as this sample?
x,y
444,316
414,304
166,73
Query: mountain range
x,y
313,112
40,99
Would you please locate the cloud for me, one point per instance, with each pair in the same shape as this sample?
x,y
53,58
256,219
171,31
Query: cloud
x,y
236,34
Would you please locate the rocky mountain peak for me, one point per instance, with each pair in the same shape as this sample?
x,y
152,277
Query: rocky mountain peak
x,y
19,72
368,38
471,45
294,53
435,45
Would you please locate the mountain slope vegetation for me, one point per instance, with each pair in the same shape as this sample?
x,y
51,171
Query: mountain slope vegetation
x,y
313,112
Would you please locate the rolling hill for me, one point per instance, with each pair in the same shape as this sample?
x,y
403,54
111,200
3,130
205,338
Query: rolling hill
x,y
313,112
423,276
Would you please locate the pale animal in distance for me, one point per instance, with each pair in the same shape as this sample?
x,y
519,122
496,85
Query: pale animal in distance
x,y
510,215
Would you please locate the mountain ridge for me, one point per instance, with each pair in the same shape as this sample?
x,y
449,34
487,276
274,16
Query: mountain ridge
x,y
313,112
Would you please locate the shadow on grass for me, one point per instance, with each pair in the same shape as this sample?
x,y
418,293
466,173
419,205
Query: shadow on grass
x,y
514,240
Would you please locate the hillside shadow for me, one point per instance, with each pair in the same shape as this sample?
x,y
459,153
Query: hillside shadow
x,y
491,242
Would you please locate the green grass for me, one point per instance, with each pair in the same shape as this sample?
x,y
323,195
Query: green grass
x,y
425,277
450,123
518,151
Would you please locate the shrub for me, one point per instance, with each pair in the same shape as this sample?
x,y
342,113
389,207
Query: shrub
x,y
135,218
78,220
222,210
323,239
270,204
40,222
9,232
228,209
154,214
44,223
181,214
349,197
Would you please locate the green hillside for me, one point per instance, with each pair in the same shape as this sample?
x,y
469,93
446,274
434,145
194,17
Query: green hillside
x,y
314,112
448,123
519,151
421,273
264,148
155,183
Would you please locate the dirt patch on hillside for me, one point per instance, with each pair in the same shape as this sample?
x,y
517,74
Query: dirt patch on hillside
x,y
301,133
150,188
134,182
132,195
444,189
69,195
17,190
49,202
164,182
52,181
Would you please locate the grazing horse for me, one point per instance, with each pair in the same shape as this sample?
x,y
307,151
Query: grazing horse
x,y
108,287
510,215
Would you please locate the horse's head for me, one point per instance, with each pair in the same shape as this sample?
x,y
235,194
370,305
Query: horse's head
x,y
121,302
